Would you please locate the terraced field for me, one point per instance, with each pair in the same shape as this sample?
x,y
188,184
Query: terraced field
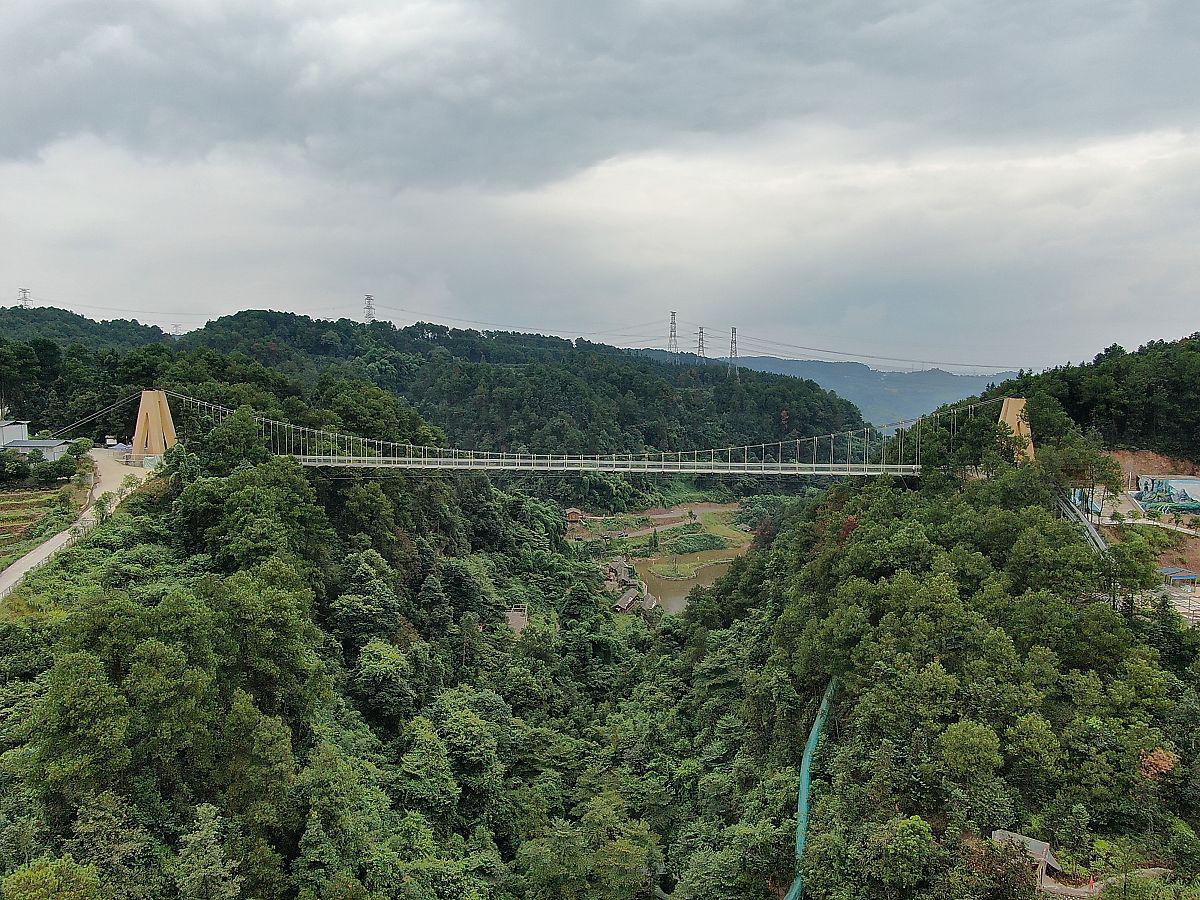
x,y
28,517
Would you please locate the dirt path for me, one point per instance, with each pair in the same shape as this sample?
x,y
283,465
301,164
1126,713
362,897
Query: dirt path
x,y
109,475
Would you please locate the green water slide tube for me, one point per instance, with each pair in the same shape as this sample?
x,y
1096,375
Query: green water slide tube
x,y
796,892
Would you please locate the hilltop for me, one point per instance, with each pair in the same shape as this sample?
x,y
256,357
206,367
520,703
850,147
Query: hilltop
x,y
295,343
49,323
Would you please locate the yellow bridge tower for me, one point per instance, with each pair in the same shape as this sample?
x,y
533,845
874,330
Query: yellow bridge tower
x,y
155,429
1013,414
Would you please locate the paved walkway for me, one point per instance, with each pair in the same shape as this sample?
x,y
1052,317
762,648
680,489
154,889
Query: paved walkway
x,y
110,474
1049,886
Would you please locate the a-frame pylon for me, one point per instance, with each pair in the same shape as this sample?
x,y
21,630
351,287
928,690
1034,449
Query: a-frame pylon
x,y
155,429
1013,414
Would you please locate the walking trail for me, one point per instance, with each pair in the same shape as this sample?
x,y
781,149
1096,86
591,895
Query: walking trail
x,y
109,476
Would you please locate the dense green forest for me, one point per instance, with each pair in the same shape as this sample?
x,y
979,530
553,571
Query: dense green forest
x,y
257,681
520,392
1148,399
484,391
58,326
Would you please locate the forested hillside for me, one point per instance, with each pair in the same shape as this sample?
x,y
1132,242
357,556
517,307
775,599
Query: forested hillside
x,y
48,323
519,392
484,391
257,681
994,673
260,682
1148,399
254,681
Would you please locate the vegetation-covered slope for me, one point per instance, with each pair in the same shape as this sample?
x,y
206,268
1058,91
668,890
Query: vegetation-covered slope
x,y
48,323
504,391
1148,399
507,392
996,673
255,681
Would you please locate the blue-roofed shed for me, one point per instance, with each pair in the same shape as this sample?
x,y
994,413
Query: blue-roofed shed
x,y
1175,576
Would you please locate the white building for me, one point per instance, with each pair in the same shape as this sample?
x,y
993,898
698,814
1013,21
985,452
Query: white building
x,y
13,430
51,450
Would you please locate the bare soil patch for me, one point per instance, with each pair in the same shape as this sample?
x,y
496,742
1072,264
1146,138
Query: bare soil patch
x,y
1147,462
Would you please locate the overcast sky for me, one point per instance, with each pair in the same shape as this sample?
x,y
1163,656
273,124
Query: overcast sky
x,y
988,181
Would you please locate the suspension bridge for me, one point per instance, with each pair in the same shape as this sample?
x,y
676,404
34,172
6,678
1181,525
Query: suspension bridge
x,y
862,452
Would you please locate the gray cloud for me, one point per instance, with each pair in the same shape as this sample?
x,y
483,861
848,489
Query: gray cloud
x,y
1012,182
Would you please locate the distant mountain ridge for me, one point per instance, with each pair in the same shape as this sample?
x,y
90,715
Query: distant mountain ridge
x,y
291,343
882,396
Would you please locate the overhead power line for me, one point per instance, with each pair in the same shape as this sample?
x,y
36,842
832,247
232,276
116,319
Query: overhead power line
x,y
768,344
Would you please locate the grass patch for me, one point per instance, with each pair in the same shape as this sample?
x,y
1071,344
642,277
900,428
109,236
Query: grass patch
x,y
678,491
1159,539
684,567
697,543
721,523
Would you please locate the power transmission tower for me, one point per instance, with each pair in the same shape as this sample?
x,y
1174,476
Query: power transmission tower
x,y
23,298
673,341
700,343
369,308
733,360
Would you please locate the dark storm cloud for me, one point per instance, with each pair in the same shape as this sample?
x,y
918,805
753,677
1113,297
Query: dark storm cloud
x,y
1011,179
525,92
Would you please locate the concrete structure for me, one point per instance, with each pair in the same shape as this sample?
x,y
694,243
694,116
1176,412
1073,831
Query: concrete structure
x,y
1169,493
517,618
1013,414
13,430
51,450
1039,851
154,433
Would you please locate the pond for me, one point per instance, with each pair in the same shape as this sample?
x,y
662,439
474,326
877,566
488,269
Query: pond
x,y
671,593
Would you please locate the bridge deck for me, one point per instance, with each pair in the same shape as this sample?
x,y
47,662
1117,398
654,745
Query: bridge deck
x,y
530,463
